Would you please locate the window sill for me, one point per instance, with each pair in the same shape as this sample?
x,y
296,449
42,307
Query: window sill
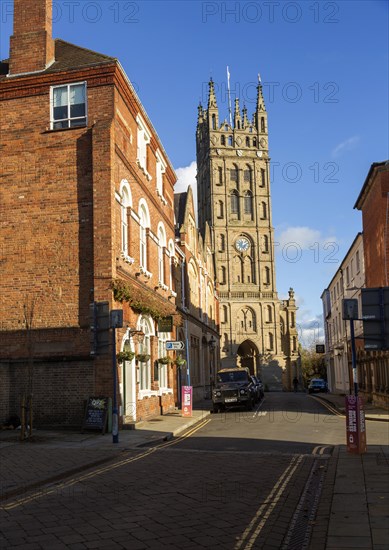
x,y
52,130
165,391
144,394
127,258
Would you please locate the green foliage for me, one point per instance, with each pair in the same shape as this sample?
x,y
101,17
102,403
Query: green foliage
x,y
125,356
313,365
122,292
142,357
180,361
165,360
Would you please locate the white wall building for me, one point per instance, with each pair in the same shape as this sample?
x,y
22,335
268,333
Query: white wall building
x,y
346,283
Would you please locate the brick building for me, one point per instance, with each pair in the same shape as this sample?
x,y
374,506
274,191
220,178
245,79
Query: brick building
x,y
197,299
373,202
87,214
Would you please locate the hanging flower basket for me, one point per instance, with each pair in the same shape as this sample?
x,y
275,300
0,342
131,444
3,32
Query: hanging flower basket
x,y
165,360
142,357
125,355
180,362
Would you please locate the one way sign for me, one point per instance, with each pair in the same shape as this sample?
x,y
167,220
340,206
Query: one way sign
x,y
175,345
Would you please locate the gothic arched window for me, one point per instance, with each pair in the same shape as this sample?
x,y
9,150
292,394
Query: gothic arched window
x,y
230,141
223,140
269,314
234,173
247,174
248,203
264,211
213,122
234,203
220,209
265,243
262,124
220,172
267,276
247,142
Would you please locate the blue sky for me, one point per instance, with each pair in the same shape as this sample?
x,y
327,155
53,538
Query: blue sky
x,y
324,67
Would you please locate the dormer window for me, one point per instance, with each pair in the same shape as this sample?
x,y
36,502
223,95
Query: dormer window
x,y
68,106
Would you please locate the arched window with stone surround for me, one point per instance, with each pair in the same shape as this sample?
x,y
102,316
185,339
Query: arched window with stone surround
x,y
263,211
161,253
144,223
125,203
234,198
271,341
267,276
269,314
144,347
265,243
248,203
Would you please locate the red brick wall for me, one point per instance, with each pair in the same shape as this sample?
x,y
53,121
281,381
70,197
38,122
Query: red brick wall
x,y
375,233
32,45
60,390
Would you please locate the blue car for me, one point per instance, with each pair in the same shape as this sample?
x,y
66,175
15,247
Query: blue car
x,y
317,385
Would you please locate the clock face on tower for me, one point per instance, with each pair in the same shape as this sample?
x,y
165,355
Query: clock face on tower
x,y
242,244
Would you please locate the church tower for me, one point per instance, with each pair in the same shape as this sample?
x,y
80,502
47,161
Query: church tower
x,y
233,179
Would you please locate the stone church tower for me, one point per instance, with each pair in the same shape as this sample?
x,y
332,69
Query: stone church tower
x,y
233,178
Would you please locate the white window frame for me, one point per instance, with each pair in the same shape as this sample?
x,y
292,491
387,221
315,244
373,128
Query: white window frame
x,y
144,223
163,378
161,253
146,326
68,118
160,169
143,139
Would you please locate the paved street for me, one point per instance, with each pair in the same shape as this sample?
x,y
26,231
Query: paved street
x,y
257,479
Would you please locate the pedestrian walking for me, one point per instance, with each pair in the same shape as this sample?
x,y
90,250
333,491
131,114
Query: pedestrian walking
x,y
295,383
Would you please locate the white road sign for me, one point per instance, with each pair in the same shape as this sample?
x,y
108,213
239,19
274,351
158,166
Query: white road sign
x,y
175,345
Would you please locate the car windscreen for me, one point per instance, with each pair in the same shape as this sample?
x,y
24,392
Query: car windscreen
x,y
232,376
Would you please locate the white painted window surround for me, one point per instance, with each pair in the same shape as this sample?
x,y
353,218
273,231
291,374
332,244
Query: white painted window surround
x,y
143,139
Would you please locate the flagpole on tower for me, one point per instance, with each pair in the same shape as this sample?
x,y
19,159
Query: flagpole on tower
x,y
229,96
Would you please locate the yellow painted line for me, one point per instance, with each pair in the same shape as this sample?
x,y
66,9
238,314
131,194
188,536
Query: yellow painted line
x,y
65,484
327,405
271,502
185,436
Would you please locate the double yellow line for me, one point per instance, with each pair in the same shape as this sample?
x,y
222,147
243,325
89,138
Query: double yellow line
x,y
85,477
254,528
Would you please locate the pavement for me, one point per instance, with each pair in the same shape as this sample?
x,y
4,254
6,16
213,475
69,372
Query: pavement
x,y
353,511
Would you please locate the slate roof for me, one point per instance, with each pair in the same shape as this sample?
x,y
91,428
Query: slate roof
x,y
68,57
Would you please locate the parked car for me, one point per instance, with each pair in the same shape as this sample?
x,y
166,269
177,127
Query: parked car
x,y
234,387
258,388
317,385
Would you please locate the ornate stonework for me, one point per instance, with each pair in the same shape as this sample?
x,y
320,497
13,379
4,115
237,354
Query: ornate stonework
x,y
257,329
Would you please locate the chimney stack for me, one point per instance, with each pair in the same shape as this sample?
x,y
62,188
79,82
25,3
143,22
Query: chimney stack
x,y
32,44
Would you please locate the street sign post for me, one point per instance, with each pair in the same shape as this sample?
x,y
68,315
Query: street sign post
x,y
186,400
175,345
355,425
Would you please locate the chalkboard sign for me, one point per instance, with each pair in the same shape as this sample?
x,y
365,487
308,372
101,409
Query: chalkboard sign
x,y
96,412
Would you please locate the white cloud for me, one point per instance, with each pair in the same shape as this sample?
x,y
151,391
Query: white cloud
x,y
346,145
301,236
186,176
310,329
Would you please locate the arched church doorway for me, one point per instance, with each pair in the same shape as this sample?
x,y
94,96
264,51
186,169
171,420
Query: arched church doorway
x,y
248,356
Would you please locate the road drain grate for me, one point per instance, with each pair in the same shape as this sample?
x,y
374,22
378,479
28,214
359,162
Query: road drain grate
x,y
299,533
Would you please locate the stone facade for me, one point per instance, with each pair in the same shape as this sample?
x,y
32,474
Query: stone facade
x,y
197,299
257,329
88,215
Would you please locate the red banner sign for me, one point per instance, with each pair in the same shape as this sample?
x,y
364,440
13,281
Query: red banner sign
x,y
186,401
355,425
